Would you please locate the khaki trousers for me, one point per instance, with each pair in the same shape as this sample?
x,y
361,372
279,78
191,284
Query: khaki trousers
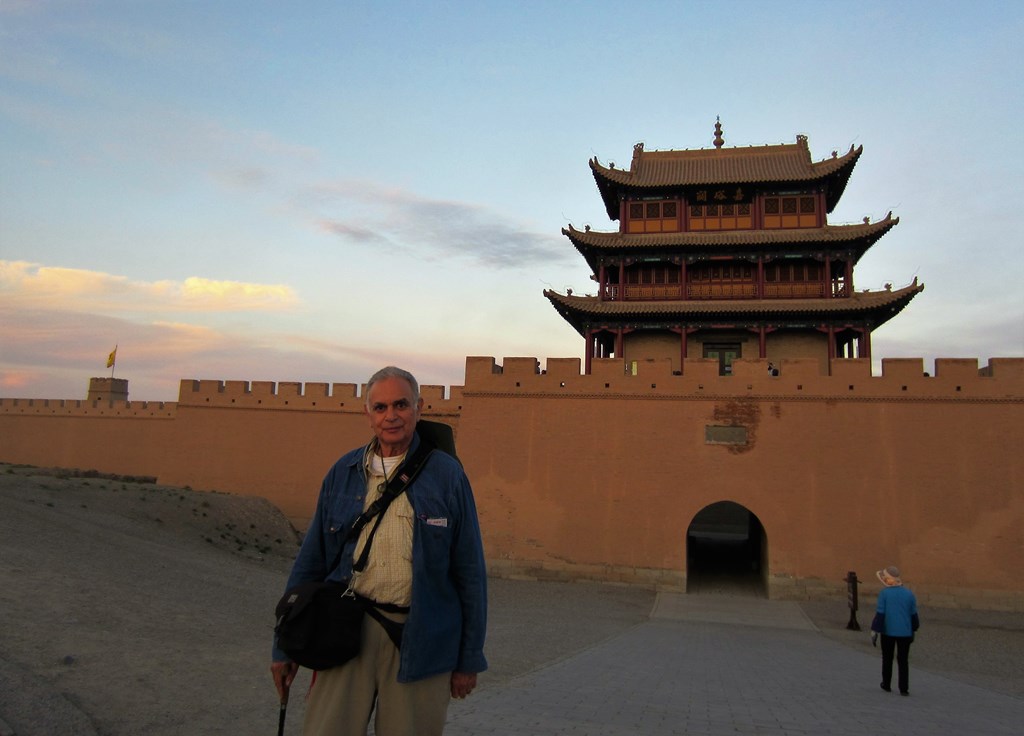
x,y
342,699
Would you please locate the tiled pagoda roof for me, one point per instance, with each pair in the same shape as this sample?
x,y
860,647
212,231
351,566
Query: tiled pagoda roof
x,y
784,164
879,306
859,238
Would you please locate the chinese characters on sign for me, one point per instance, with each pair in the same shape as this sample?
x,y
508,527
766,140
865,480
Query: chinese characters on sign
x,y
719,195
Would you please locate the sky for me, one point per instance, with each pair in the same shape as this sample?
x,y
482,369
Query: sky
x,y
307,191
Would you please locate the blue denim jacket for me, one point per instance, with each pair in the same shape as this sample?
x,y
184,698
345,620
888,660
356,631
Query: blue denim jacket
x,y
448,611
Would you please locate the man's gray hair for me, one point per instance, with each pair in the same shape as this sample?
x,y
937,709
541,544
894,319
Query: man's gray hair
x,y
393,372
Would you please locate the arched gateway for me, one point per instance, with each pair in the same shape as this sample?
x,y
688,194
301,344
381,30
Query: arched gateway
x,y
726,551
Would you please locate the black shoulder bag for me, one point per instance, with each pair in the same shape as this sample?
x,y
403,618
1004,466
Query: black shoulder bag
x,y
319,624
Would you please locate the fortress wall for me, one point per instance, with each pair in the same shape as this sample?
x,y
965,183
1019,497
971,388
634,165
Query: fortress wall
x,y
276,441
281,454
123,437
598,476
261,438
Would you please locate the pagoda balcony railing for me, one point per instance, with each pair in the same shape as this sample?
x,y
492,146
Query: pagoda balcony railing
x,y
637,292
794,290
721,290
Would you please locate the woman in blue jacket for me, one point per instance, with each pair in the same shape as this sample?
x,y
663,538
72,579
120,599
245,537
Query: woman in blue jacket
x,y
896,620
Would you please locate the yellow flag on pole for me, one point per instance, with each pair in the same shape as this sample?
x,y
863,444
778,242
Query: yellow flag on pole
x,y
112,357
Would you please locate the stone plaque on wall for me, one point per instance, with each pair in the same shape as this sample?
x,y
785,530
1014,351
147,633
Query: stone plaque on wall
x,y
721,435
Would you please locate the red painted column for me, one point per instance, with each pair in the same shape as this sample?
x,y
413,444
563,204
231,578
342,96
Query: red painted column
x,y
762,342
618,344
831,348
865,344
601,285
829,291
588,351
760,277
622,280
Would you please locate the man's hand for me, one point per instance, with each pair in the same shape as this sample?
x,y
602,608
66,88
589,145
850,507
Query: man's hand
x,y
283,674
463,684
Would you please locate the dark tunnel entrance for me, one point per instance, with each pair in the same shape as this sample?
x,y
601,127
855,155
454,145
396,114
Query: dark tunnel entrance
x,y
726,551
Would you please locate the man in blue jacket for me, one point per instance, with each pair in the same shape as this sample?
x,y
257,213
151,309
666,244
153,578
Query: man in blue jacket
x,y
896,620
425,565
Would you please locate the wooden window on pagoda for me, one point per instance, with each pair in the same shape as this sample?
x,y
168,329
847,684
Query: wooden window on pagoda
x,y
720,209
652,281
721,280
653,216
790,211
794,279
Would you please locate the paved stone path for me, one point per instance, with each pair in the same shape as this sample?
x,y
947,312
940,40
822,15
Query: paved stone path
x,y
709,665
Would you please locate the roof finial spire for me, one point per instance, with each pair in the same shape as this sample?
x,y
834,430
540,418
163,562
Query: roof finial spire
x,y
719,140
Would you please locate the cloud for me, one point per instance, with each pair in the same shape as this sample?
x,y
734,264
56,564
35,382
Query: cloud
x,y
15,379
254,163
43,352
435,229
31,285
242,178
350,231
235,295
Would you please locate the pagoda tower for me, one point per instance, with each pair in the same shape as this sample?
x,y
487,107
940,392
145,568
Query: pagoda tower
x,y
727,253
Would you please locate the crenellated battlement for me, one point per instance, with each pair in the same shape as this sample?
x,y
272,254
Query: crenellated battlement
x,y
951,379
324,397
87,408
901,378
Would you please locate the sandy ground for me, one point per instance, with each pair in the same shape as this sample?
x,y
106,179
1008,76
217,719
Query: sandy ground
x,y
134,608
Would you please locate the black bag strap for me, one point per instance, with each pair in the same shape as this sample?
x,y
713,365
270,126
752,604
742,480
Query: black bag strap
x,y
364,556
396,486
393,629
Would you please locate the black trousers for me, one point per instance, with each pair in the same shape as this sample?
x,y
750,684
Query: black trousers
x,y
900,646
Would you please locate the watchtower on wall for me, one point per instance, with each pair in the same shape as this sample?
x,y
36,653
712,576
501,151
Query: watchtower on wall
x,y
727,253
108,389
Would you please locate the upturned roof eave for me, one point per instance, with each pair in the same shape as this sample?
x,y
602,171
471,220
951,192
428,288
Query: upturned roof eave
x,y
882,306
856,238
840,178
612,182
824,236
609,192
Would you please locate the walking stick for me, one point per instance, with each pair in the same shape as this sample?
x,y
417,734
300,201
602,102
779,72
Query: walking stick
x,y
281,715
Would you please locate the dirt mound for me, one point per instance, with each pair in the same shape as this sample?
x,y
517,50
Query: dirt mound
x,y
132,607
249,526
